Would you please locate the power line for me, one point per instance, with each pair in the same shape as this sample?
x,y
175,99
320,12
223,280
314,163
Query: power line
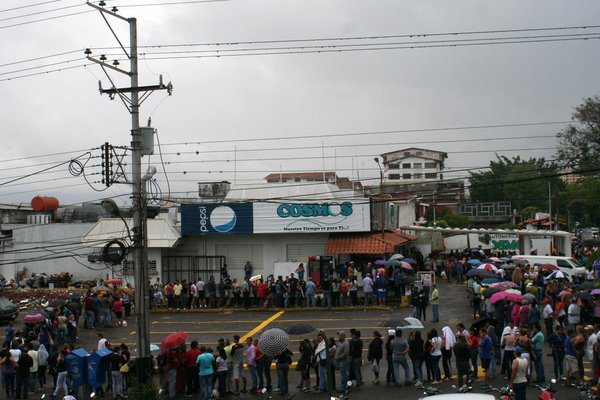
x,y
29,5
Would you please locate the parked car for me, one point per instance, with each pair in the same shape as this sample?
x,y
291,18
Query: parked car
x,y
568,265
8,310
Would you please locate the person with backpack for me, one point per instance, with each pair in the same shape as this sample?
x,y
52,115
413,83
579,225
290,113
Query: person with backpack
x,y
61,371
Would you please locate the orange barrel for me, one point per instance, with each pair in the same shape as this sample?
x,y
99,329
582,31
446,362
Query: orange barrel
x,y
41,203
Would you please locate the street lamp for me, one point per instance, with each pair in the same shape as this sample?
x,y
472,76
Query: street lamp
x,y
376,159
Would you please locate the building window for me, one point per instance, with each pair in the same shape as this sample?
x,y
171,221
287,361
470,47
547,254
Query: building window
x,y
296,179
430,165
431,176
417,165
406,166
419,153
406,176
394,176
393,166
407,154
417,176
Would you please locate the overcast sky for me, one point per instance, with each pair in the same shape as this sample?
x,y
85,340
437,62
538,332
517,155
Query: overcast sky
x,y
290,95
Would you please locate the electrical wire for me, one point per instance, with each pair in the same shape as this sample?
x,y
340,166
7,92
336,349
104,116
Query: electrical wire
x,y
29,5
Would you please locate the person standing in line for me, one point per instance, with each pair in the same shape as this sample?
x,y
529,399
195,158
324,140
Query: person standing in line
x,y
221,368
61,370
305,362
548,317
461,353
192,372
389,377
435,304
320,353
508,343
448,341
485,355
375,355
342,357
42,365
116,362
33,372
237,352
518,378
251,363
400,349
24,365
311,289
473,343
537,340
417,354
282,363
263,368
368,290
205,369
201,287
356,347
436,354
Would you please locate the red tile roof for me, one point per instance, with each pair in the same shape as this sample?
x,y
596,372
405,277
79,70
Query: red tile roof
x,y
366,243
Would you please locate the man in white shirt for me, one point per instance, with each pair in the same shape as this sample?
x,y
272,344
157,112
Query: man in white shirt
x,y
102,342
592,331
368,289
201,293
573,314
548,317
34,368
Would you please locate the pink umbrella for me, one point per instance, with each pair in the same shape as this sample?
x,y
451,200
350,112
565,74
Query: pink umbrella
x,y
517,298
495,259
405,265
488,267
595,292
564,293
34,318
504,285
496,297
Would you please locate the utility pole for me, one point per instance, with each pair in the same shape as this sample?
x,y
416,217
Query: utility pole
x,y
140,239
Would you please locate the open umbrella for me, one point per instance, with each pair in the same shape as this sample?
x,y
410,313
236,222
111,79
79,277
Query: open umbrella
x,y
514,291
273,342
488,292
587,285
529,297
504,285
115,281
397,256
154,347
547,267
474,261
43,312
595,292
478,324
495,259
405,265
585,296
392,263
482,273
488,267
517,298
379,262
34,318
411,323
300,329
498,296
174,340
56,303
409,260
557,275
489,281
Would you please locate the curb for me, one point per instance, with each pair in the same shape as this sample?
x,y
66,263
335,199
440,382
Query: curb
x,y
270,310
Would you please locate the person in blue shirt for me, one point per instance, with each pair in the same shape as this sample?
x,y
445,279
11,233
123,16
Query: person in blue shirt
x,y
485,355
557,344
205,367
9,333
571,358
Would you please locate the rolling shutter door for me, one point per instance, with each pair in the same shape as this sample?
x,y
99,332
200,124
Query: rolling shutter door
x,y
237,255
299,252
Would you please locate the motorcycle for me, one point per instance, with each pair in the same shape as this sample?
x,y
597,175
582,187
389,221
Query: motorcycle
x,y
546,390
585,389
506,393
344,395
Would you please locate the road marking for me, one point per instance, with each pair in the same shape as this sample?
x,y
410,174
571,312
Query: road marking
x,y
261,326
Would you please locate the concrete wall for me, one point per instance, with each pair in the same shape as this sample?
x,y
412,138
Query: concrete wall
x,y
47,248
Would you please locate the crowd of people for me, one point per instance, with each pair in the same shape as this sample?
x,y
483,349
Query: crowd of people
x,y
345,285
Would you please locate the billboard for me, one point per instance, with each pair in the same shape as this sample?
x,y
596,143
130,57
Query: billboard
x,y
505,242
275,217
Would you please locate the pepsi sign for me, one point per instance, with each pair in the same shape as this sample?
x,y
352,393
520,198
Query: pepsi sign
x,y
197,219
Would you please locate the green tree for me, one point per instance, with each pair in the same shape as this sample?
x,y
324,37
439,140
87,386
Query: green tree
x,y
579,143
456,220
581,200
522,182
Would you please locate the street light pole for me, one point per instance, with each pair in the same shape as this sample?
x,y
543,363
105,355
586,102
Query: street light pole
x,y
381,197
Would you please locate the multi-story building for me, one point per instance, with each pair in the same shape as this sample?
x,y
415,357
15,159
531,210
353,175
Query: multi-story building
x,y
413,165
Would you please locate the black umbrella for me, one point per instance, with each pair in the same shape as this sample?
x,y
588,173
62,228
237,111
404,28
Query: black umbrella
x,y
488,292
478,324
300,329
56,303
585,296
273,342
587,285
394,322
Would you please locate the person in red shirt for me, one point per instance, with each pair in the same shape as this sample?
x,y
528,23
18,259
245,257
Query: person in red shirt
x,y
88,304
262,293
118,309
473,344
173,360
192,373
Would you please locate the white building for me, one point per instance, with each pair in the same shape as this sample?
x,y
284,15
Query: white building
x,y
414,165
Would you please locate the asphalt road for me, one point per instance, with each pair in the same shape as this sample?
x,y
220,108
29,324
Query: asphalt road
x,y
207,327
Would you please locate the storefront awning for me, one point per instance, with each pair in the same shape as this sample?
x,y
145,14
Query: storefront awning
x,y
366,243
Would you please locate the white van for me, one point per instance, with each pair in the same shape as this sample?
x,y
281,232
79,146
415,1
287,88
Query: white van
x,y
568,265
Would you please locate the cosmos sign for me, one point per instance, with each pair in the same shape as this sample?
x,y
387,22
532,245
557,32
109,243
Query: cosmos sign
x,y
271,217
